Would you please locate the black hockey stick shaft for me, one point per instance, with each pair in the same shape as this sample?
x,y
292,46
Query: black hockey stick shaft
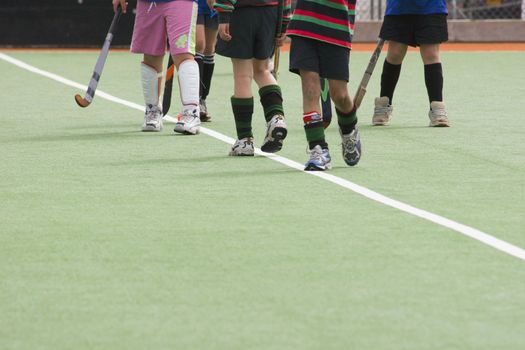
x,y
99,66
168,86
361,90
326,103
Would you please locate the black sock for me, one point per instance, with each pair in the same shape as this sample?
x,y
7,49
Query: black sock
x,y
242,112
389,79
347,121
434,81
199,59
272,101
207,73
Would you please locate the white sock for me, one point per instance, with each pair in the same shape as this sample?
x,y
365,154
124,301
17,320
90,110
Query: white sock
x,y
151,80
189,85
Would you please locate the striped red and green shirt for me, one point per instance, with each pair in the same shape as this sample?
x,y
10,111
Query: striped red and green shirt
x,y
330,21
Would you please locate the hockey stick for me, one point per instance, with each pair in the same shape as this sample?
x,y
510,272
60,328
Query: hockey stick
x,y
97,72
326,103
278,32
361,90
168,85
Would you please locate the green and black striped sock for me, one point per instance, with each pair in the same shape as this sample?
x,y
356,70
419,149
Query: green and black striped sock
x,y
242,112
347,121
271,100
313,127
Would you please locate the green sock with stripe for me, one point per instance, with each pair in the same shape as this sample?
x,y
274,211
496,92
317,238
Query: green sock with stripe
x,y
242,112
272,101
347,121
314,129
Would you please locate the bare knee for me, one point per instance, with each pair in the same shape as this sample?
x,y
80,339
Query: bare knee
x,y
430,53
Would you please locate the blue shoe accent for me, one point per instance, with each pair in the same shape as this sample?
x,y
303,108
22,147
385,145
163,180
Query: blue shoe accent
x,y
320,159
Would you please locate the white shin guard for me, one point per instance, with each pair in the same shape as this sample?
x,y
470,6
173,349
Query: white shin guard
x,y
151,80
189,82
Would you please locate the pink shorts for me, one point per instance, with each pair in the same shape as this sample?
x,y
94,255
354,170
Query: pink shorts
x,y
155,22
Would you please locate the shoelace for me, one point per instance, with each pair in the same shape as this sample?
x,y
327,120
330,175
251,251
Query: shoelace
x,y
151,115
439,112
382,110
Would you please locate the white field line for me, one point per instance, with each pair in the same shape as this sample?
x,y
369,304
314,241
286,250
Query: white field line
x,y
440,220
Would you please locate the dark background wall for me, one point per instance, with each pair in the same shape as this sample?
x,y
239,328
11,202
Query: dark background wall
x,y
61,23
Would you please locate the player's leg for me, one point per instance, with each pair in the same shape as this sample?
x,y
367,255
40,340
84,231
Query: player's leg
x,y
334,62
239,48
431,31
181,18
210,33
272,102
242,106
399,32
149,39
304,60
389,78
269,91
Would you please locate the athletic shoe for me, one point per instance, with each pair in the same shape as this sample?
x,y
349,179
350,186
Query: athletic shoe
x,y
242,147
351,147
152,119
438,114
205,117
382,111
275,134
189,123
319,159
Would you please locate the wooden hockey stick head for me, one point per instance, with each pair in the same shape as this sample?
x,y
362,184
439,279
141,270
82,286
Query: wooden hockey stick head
x,y
82,102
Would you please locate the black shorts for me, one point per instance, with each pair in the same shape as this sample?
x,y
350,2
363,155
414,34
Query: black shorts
x,y
330,61
253,33
415,30
208,22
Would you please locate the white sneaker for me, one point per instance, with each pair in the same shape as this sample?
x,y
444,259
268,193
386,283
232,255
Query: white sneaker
x,y
152,119
276,132
438,114
242,147
189,122
382,111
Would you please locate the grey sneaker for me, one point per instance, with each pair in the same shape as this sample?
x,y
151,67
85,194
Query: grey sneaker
x,y
276,132
382,111
320,159
351,147
189,123
152,119
243,147
438,114
204,115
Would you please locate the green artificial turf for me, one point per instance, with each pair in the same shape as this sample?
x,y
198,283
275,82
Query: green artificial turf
x,y
115,239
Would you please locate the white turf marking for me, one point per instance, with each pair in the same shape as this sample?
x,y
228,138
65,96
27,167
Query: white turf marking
x,y
442,221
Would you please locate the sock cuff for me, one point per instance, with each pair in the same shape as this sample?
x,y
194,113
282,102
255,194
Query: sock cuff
x,y
312,117
350,114
265,90
209,59
237,101
199,56
392,65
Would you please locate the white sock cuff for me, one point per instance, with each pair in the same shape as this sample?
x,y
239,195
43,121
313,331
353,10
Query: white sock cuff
x,y
189,83
151,80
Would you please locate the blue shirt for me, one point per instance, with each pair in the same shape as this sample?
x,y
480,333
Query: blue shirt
x,y
415,7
